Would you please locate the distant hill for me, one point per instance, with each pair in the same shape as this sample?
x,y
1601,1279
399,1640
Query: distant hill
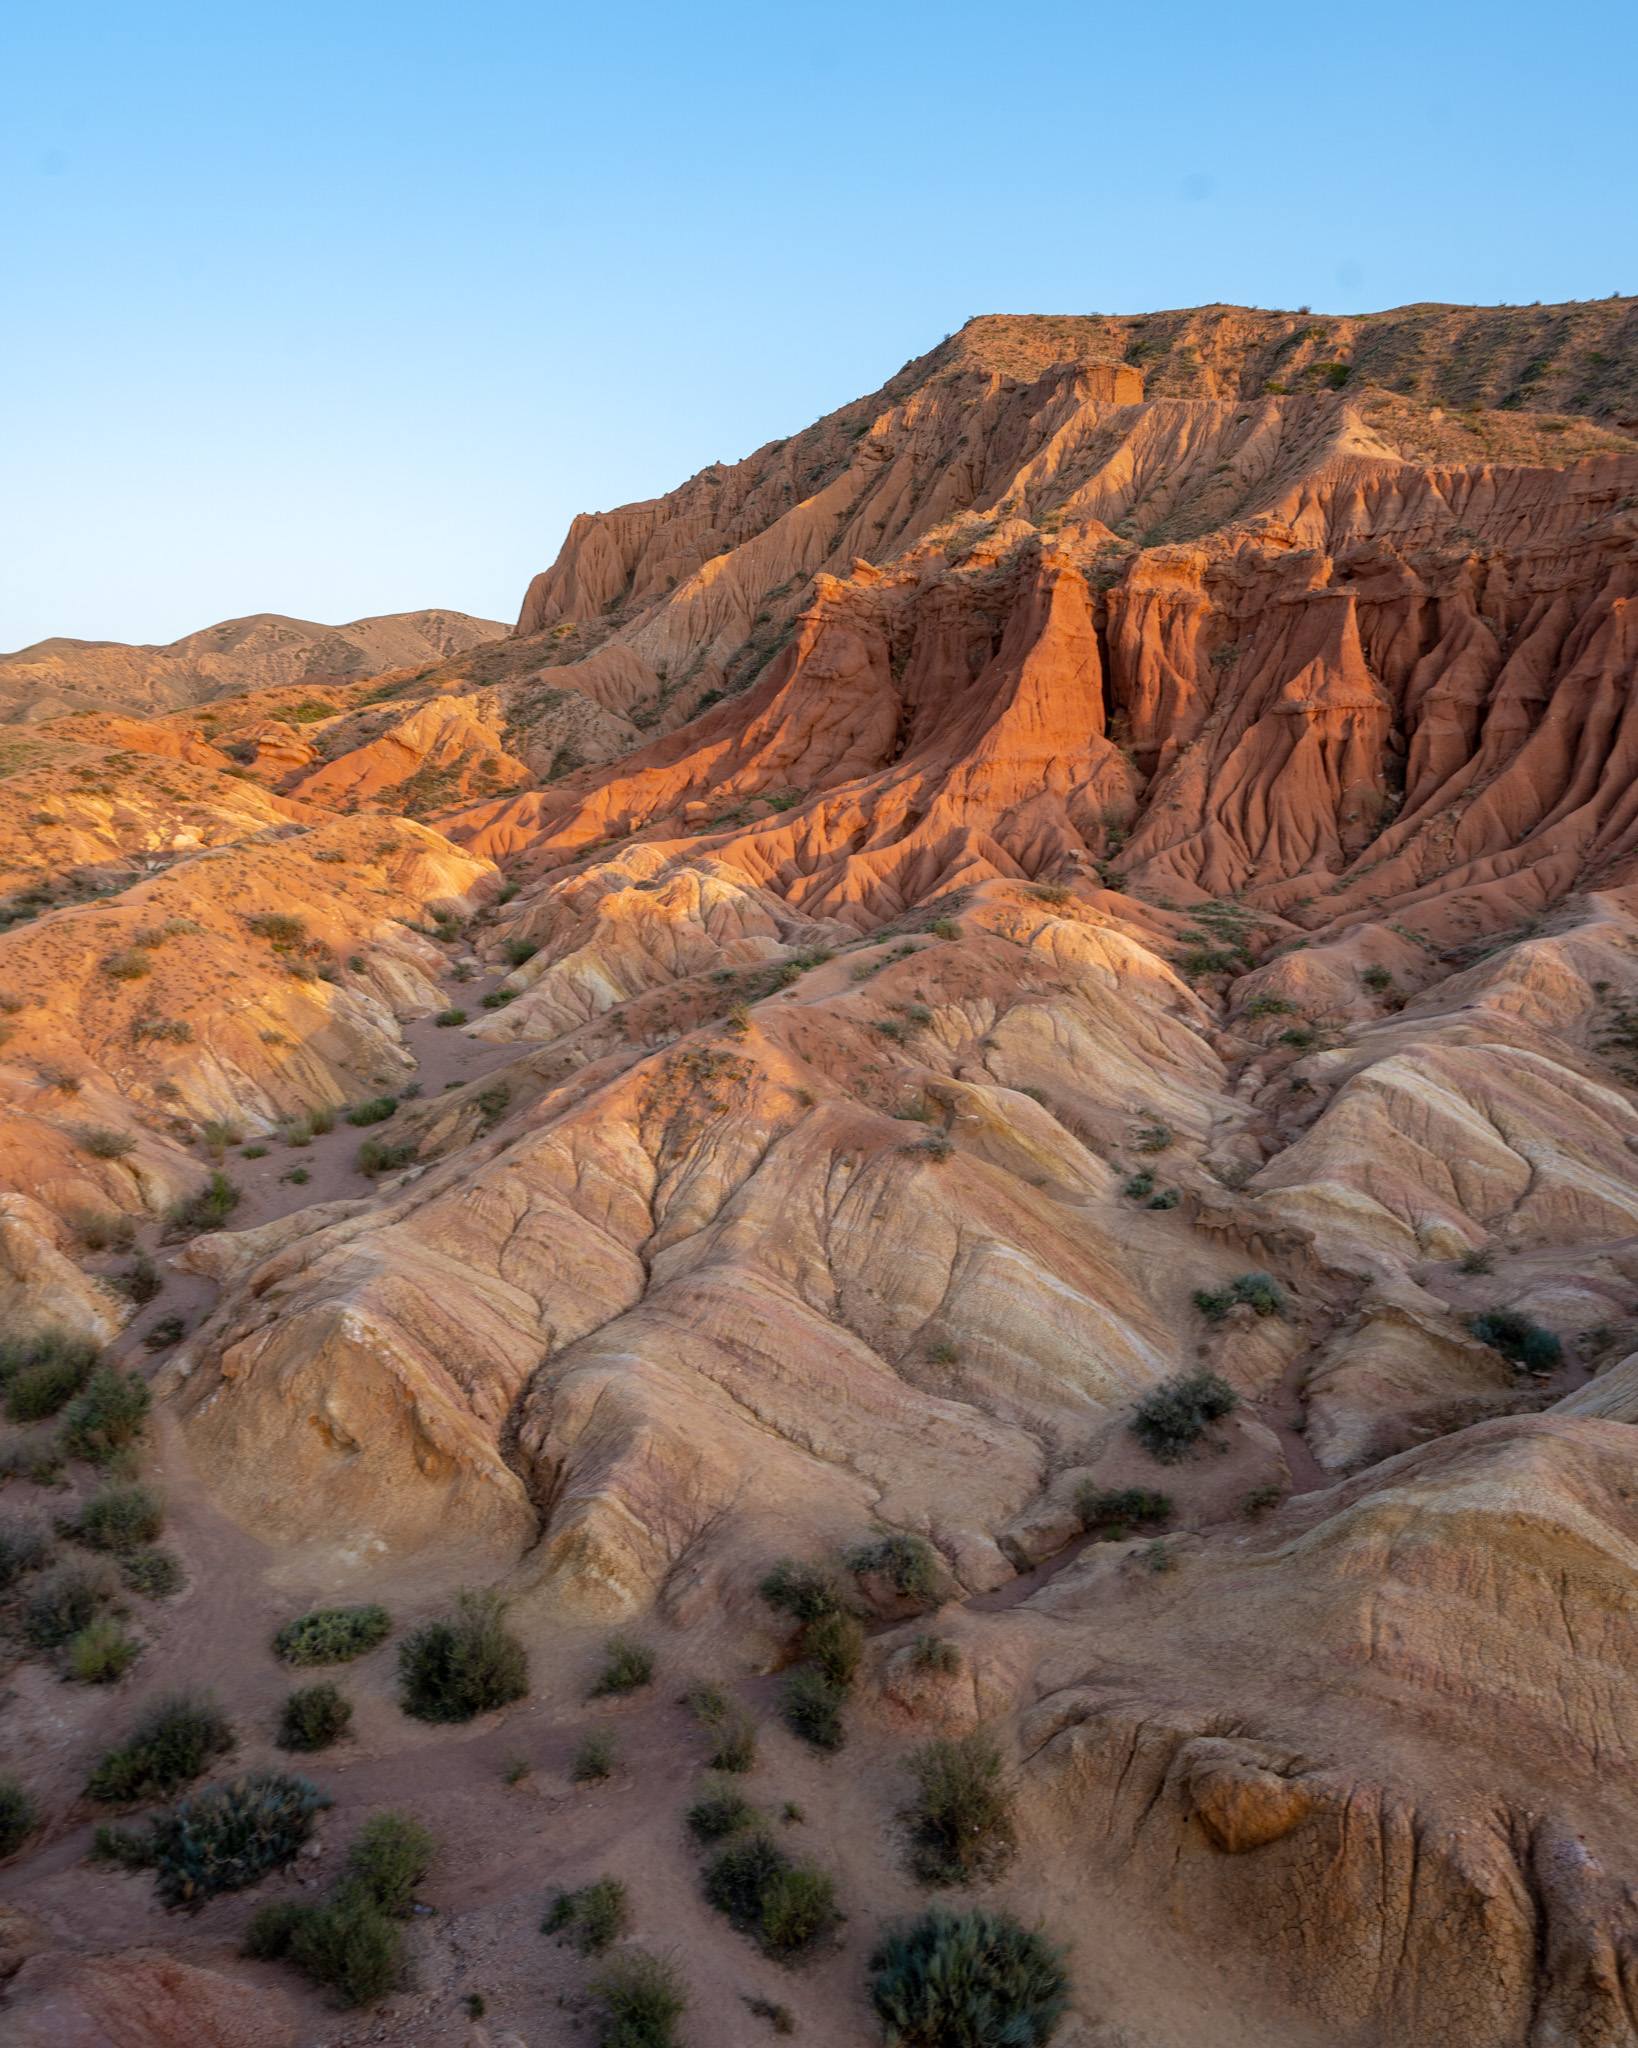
x,y
261,652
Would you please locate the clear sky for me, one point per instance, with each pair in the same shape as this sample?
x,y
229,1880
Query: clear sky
x,y
348,307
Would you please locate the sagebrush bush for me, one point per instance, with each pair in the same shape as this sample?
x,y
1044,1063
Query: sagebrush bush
x,y
630,1666
642,1998
227,1836
313,1717
17,1815
24,1547
720,1811
593,1918
107,1416
909,1563
787,1905
63,1603
1115,1511
120,1518
272,1929
152,1573
1259,1291
836,1644
102,1653
390,1857
519,950
463,1665
332,1635
734,1746
806,1592
375,1156
961,1824
812,1706
207,1208
979,1980
375,1111
103,1143
39,1374
594,1760
350,1948
174,1740
1173,1417
1518,1338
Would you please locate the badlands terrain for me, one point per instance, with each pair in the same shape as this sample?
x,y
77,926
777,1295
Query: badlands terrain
x,y
1027,999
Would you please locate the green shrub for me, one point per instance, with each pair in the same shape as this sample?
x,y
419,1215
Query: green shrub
x,y
519,950
909,1563
1168,1198
1114,1512
721,1810
1478,1258
812,1706
208,1208
332,1635
1174,1416
40,1373
797,1907
24,1547
446,1018
1267,1006
1377,979
803,1591
593,1918
944,928
1259,1291
1299,1036
1518,1338
594,1759
1259,1499
979,1980
313,1717
391,1856
173,1741
375,1157
61,1604
17,1815
120,1518
836,1644
463,1665
630,1665
1138,1187
935,1653
272,1930
1155,1137
102,1653
498,998
787,1905
142,1282
960,1823
103,1143
279,930
376,1111
167,1331
494,1100
734,1748
227,1836
349,1947
129,965
642,1998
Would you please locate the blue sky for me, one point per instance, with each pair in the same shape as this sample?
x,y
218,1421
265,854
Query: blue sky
x,y
348,308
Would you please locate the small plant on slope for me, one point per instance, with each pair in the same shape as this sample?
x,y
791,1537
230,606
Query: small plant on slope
x,y
979,1980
